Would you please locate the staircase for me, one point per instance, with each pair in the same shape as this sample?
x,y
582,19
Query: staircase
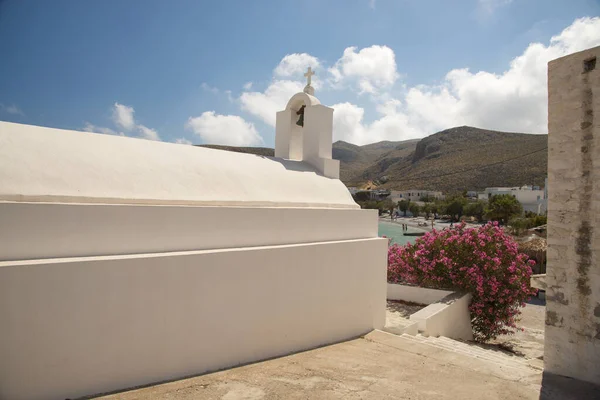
x,y
477,351
398,325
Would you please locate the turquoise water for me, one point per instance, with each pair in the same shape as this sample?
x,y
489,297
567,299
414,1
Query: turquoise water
x,y
394,231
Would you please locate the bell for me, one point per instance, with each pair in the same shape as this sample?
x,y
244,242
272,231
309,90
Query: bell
x,y
300,112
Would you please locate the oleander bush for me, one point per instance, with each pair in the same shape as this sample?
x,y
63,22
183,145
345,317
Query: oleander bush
x,y
483,261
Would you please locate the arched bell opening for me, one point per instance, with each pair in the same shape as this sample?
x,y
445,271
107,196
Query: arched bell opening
x,y
297,131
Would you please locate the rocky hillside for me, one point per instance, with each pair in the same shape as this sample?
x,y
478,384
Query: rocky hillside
x,y
462,158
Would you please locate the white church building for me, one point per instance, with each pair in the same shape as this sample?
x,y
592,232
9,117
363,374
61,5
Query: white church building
x,y
125,262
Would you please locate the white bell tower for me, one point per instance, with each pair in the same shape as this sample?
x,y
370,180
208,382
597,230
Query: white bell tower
x,y
311,142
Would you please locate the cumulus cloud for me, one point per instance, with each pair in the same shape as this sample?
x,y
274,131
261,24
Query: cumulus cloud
x,y
295,65
487,7
370,70
265,104
182,141
100,129
288,79
515,100
224,129
147,133
12,109
348,124
206,87
122,116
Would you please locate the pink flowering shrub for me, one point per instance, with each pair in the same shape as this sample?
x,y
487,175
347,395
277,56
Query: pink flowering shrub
x,y
482,261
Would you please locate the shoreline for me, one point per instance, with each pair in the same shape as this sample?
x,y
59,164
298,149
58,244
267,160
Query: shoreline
x,y
413,222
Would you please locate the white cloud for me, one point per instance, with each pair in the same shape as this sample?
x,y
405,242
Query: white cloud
x,y
371,69
183,141
515,100
487,7
100,129
265,105
147,133
247,85
122,116
348,124
274,98
224,129
206,87
295,65
12,109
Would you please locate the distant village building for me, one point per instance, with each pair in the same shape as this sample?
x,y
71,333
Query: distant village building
x,y
414,195
353,190
531,199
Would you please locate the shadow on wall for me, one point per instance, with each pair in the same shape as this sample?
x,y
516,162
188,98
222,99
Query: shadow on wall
x,y
556,387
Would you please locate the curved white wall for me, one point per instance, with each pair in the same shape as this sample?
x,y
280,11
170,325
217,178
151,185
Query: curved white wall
x,y
55,165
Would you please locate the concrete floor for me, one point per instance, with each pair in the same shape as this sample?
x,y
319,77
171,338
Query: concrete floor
x,y
528,343
378,366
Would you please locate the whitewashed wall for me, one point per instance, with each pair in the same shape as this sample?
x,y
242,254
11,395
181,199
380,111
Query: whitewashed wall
x,y
44,230
79,326
572,335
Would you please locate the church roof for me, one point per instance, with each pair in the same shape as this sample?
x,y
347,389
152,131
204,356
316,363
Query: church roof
x,y
55,165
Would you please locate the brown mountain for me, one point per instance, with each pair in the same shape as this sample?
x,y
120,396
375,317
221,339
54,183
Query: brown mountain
x,y
456,159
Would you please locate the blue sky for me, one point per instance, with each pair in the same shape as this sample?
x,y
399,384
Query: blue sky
x,y
176,70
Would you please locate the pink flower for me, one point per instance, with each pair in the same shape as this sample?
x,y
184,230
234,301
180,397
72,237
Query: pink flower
x,y
482,261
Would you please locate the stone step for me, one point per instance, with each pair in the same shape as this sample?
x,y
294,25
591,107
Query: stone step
x,y
398,325
447,351
476,349
497,362
505,361
471,350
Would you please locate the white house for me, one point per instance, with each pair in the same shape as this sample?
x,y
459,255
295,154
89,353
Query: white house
x,y
125,262
414,195
531,199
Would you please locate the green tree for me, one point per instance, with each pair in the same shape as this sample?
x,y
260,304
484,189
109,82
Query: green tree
x,y
475,209
414,209
403,206
435,207
426,209
518,225
362,196
454,206
387,205
503,207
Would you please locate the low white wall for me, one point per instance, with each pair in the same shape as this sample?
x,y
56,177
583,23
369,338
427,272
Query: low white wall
x,y
415,294
450,317
45,230
79,326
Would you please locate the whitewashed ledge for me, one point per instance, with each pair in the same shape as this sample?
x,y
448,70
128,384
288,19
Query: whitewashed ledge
x,y
447,313
415,294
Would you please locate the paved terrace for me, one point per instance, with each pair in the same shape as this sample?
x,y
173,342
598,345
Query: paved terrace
x,y
377,366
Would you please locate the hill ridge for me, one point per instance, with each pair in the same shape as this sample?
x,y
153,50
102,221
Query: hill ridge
x,y
454,159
